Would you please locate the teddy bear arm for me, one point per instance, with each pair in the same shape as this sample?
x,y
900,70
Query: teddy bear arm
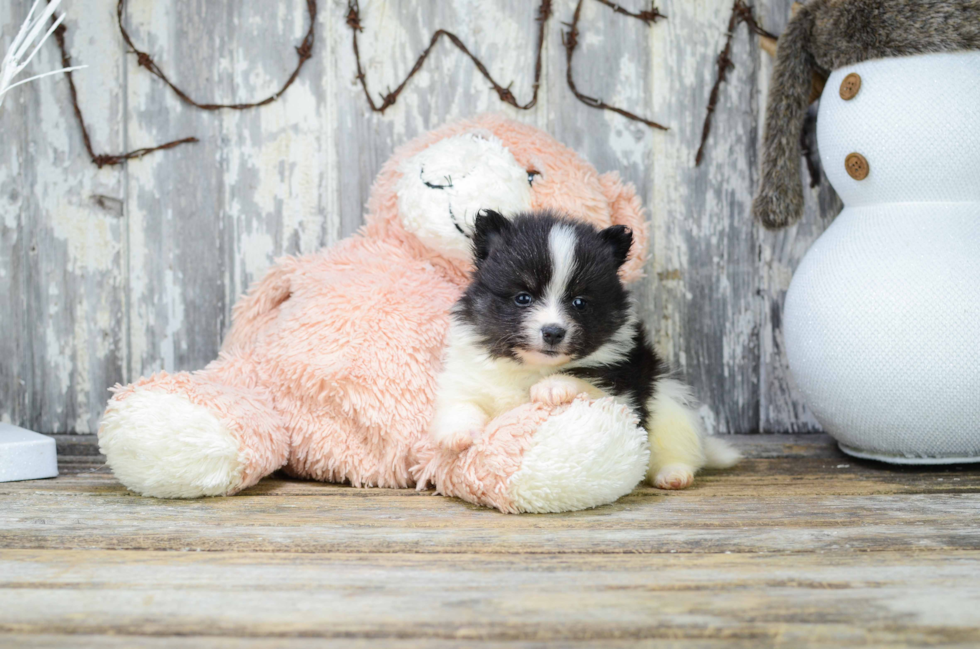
x,y
538,458
259,305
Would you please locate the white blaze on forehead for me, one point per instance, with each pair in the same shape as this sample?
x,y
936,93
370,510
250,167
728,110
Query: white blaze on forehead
x,y
561,249
561,245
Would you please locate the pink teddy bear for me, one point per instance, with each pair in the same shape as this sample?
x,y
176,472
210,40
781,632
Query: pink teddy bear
x,y
329,370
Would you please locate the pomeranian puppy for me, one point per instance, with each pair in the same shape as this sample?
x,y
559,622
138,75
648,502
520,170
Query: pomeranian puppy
x,y
546,319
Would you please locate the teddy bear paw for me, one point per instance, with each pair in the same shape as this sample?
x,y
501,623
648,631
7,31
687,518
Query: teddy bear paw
x,y
674,476
163,445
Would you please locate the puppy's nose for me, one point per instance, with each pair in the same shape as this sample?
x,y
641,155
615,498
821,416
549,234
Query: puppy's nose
x,y
552,334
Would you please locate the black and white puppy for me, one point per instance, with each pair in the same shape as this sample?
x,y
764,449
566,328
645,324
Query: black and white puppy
x,y
546,319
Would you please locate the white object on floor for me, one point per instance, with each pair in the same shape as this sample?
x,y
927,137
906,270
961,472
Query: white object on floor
x,y
25,455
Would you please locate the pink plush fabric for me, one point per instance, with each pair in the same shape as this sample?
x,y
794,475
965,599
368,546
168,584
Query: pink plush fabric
x,y
481,474
329,368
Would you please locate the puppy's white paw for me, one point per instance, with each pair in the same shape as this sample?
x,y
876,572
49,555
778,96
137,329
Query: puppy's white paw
x,y
556,390
674,476
458,441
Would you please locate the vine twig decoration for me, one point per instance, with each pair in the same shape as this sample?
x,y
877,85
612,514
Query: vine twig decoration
x,y
649,16
304,51
102,159
570,40
741,13
505,94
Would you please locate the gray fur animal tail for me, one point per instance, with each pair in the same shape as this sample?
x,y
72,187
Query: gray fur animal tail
x,y
780,199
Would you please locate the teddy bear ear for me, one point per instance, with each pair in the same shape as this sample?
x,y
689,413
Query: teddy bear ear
x,y
625,209
489,225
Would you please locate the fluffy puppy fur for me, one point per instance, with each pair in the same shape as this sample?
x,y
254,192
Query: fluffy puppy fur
x,y
829,34
546,319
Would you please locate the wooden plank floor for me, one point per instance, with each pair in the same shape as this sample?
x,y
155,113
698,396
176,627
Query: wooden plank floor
x,y
798,546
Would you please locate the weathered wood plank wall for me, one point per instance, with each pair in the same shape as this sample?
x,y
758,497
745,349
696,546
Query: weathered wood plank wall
x,y
109,274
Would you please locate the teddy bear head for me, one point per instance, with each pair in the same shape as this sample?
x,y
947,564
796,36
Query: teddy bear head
x,y
429,193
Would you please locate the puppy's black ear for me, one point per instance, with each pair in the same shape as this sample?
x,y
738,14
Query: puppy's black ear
x,y
488,226
620,239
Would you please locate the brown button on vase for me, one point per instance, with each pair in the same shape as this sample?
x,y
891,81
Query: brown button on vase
x,y
857,166
850,86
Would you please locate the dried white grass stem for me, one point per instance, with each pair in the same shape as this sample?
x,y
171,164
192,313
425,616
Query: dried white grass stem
x,y
30,33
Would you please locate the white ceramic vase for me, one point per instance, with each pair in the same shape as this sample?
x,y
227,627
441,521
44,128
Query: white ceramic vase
x,y
882,318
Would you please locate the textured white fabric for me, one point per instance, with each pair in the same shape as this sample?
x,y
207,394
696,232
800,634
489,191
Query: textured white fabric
x,y
916,120
882,320
882,329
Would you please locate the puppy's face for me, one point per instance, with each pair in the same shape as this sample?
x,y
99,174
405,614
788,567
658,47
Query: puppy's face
x,y
546,290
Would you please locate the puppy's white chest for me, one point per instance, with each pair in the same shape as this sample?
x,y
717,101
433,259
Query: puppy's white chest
x,y
504,388
495,385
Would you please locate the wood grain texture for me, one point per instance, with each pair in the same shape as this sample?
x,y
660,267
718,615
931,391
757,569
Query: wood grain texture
x,y
704,240
376,523
796,547
62,272
780,405
112,641
556,598
92,641
107,275
789,494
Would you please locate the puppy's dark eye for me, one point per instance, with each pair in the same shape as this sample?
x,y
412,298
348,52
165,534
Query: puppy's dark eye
x,y
523,299
579,303
531,175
